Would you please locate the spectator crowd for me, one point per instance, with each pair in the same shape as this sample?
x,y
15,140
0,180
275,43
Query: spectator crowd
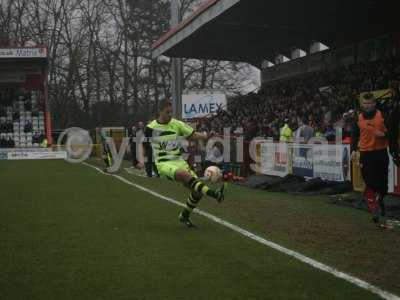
x,y
315,102
21,124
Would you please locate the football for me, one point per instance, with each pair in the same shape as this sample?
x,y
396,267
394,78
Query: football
x,y
213,174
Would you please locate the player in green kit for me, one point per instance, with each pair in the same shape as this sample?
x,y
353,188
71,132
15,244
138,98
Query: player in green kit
x,y
165,135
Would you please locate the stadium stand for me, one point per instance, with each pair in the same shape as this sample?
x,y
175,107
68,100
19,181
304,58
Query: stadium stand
x,y
320,99
24,116
22,121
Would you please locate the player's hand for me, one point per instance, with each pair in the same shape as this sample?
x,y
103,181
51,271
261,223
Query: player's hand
x,y
139,166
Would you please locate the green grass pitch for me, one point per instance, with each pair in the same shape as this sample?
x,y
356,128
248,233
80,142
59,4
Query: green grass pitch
x,y
69,232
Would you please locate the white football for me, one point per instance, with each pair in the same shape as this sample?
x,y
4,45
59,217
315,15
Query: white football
x,y
213,174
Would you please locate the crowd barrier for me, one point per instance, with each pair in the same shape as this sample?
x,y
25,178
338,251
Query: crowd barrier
x,y
328,162
238,167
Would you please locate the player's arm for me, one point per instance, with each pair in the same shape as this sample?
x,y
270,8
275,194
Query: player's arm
x,y
189,133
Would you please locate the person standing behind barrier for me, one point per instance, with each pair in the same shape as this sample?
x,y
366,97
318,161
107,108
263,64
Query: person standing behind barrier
x,y
150,166
370,138
286,133
132,145
106,152
44,143
305,132
136,133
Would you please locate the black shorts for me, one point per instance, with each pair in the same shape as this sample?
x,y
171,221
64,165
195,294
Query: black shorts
x,y
375,169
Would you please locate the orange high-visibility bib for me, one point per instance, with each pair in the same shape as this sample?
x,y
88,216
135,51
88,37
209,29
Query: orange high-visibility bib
x,y
368,140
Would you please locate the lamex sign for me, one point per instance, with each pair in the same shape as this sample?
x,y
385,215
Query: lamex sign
x,y
23,53
202,108
202,105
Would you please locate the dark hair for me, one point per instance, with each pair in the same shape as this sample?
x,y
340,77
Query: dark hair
x,y
369,97
164,104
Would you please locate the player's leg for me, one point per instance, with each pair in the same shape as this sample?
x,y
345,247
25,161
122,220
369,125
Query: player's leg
x,y
381,179
196,185
198,190
368,173
191,204
180,171
107,160
134,154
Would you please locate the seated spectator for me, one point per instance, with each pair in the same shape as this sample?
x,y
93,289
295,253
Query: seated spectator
x,y
28,127
36,138
329,133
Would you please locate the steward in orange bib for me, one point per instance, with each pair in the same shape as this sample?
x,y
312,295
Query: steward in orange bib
x,y
370,138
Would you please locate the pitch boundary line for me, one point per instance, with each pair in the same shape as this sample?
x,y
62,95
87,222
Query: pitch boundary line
x,y
307,260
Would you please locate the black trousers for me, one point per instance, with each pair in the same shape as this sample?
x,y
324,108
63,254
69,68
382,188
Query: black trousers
x,y
374,170
134,154
150,167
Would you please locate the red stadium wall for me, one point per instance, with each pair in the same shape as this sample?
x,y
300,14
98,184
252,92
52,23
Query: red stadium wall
x,y
49,127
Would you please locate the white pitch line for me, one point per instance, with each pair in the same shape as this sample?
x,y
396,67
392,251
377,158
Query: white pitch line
x,y
307,260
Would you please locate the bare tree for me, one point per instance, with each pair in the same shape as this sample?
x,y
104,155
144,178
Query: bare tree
x,y
100,67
